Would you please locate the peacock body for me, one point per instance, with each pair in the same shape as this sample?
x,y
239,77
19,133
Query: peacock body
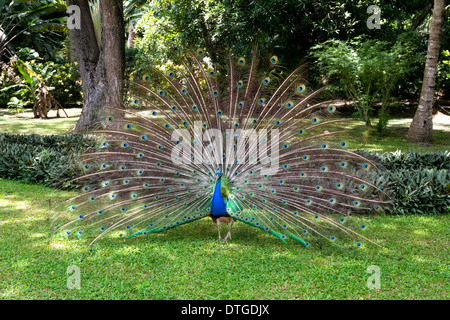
x,y
238,142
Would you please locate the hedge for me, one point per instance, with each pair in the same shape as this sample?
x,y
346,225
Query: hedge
x,y
419,183
41,159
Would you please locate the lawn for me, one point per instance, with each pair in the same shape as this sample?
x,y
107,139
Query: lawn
x,y
188,262
24,122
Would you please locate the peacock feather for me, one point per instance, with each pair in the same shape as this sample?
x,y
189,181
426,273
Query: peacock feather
x,y
243,141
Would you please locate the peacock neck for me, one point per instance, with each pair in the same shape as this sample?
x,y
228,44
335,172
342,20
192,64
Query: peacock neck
x,y
219,203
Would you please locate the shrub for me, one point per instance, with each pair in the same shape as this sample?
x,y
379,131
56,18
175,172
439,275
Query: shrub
x,y
423,191
41,159
411,160
418,183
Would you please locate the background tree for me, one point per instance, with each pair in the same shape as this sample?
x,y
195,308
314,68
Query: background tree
x,y
421,129
102,62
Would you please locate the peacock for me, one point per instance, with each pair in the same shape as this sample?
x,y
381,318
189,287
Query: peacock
x,y
241,141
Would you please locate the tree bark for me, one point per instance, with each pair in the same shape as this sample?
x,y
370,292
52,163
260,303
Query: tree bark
x,y
421,129
101,65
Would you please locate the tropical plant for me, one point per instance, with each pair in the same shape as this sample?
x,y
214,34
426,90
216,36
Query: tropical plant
x,y
8,24
39,24
27,75
35,88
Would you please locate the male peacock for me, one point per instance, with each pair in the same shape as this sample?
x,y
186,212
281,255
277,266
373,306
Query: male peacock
x,y
233,143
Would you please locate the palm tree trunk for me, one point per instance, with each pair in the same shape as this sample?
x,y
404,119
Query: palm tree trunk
x,y
421,129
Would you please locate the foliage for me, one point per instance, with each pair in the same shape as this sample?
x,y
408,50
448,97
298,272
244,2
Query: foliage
x,y
16,104
8,77
443,75
419,183
74,141
22,74
40,24
287,28
41,159
365,71
422,191
414,46
238,25
7,26
63,78
411,160
24,90
153,40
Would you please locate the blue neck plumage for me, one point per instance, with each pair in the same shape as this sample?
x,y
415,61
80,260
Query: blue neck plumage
x,y
218,204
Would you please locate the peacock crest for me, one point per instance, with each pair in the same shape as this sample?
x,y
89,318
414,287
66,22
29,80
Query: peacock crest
x,y
244,141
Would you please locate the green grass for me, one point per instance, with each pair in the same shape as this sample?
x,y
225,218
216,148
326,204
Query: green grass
x,y
189,263
24,123
395,138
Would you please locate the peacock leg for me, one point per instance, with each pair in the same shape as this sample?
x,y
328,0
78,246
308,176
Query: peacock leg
x,y
218,228
229,231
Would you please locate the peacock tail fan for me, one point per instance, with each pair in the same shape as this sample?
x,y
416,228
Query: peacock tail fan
x,y
288,167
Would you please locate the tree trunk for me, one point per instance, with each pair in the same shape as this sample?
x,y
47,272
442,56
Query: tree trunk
x,y
421,129
101,65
